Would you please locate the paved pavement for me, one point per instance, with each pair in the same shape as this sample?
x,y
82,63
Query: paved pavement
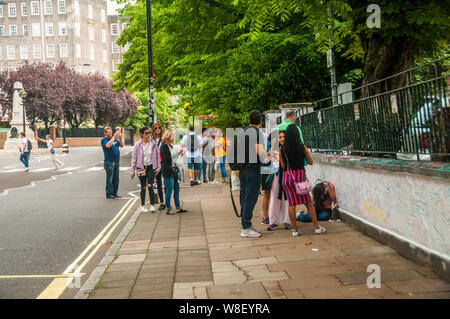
x,y
200,254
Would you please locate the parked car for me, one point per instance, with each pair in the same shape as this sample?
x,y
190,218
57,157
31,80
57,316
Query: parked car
x,y
417,137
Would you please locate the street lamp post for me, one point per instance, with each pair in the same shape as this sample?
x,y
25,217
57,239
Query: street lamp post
x,y
151,91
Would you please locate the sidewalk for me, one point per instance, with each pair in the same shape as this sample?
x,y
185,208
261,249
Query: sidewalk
x,y
200,254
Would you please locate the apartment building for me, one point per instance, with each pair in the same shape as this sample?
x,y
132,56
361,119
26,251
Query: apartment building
x,y
77,32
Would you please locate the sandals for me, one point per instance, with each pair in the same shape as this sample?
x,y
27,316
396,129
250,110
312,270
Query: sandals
x,y
171,212
181,210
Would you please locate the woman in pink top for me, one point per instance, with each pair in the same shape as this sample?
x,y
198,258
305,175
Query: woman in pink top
x,y
146,163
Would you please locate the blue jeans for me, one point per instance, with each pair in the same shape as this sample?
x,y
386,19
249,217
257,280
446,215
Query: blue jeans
x,y
203,168
322,216
25,158
250,185
112,178
171,184
223,171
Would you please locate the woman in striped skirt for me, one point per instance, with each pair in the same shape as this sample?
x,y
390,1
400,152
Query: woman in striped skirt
x,y
292,161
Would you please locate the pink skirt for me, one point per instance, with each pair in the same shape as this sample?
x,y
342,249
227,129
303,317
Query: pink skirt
x,y
289,178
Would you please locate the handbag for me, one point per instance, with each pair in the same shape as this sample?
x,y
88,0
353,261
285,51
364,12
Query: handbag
x,y
302,188
141,172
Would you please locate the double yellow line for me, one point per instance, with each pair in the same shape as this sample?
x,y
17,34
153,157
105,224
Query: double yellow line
x,y
59,284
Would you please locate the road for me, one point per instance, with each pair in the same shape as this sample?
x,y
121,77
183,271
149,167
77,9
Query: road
x,y
49,219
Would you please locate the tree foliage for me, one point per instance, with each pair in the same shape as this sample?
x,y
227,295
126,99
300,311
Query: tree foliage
x,y
57,93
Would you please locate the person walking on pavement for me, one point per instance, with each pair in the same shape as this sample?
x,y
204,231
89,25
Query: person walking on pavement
x,y
51,151
24,151
110,144
292,156
193,143
221,155
157,133
204,155
250,175
146,163
170,170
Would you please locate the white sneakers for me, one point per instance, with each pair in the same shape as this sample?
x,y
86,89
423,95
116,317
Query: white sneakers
x,y
320,230
152,209
295,232
250,232
144,210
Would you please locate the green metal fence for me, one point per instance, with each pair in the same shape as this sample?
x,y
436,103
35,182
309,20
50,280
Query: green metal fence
x,y
413,119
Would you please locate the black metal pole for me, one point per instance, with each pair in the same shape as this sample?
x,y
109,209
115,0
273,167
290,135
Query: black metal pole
x,y
151,91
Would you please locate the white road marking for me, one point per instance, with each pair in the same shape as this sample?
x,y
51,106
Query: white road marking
x,y
70,168
94,169
43,169
124,168
14,170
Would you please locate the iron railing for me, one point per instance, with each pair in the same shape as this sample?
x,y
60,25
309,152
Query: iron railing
x,y
413,119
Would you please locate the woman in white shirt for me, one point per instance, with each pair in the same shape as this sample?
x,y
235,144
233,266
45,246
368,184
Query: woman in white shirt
x,y
51,151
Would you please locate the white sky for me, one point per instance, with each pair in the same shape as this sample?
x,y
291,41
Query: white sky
x,y
112,6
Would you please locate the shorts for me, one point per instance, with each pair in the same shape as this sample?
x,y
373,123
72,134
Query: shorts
x,y
194,163
264,185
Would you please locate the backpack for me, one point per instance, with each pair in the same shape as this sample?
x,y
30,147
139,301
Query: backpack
x,y
29,145
238,156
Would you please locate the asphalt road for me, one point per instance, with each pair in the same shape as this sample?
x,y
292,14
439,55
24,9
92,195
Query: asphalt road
x,y
48,217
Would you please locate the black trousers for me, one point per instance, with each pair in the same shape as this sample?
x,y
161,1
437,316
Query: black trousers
x,y
160,190
147,183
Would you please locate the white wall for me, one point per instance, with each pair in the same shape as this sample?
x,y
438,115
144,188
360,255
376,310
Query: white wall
x,y
413,206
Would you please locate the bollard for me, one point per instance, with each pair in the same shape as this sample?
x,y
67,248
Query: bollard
x,y
65,148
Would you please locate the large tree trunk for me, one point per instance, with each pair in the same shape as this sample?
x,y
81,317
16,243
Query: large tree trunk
x,y
385,57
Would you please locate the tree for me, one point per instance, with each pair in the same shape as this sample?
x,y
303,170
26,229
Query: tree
x,y
202,47
410,30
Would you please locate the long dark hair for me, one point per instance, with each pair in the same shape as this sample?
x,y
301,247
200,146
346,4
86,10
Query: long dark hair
x,y
292,147
319,197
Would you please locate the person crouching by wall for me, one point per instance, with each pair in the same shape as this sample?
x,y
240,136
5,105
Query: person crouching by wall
x,y
325,203
146,163
169,171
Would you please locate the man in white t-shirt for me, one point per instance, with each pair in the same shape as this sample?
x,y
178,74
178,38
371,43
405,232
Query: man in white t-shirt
x,y
193,144
24,151
51,151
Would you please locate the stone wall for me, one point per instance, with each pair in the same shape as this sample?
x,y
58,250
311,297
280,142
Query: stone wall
x,y
405,204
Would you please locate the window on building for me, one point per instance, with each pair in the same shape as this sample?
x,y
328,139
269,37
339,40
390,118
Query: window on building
x,y
105,58
115,48
103,15
34,8
36,29
91,34
48,6
12,68
63,28
61,6
49,29
77,29
1,53
91,52
78,50
50,51
24,9
1,11
79,68
11,9
77,7
92,70
2,31
115,65
11,52
37,51
105,73
114,29
24,52
25,30
104,36
13,30
63,50
90,13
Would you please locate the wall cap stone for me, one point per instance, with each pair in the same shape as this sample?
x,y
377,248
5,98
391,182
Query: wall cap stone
x,y
439,170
